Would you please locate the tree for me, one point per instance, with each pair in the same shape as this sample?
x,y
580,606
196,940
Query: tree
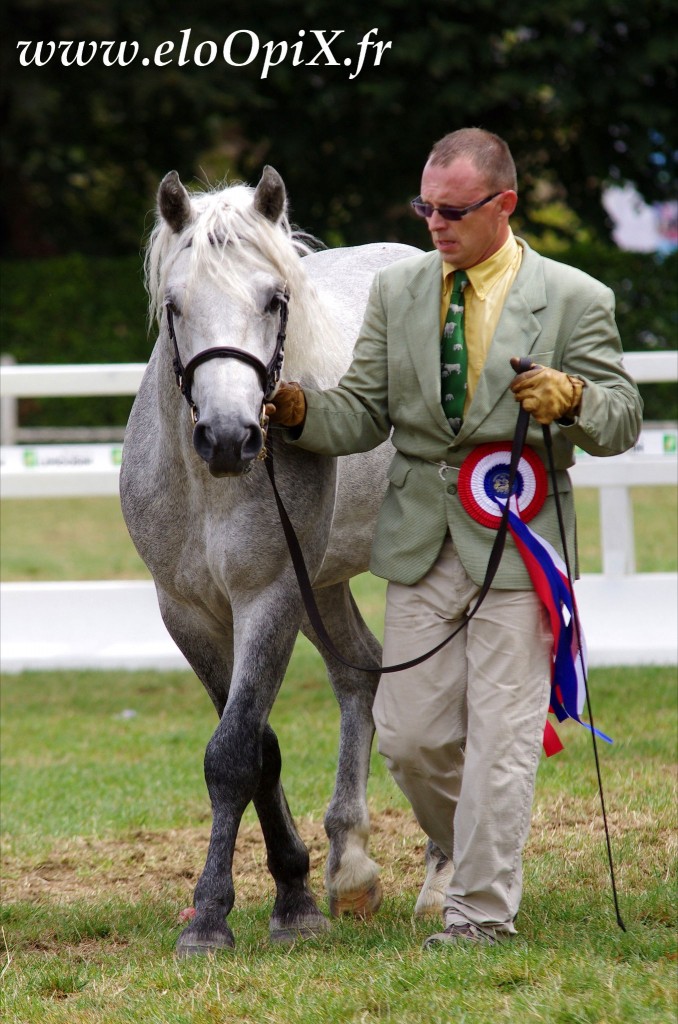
x,y
584,94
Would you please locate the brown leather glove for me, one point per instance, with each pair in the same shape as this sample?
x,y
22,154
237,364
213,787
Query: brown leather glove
x,y
547,394
288,407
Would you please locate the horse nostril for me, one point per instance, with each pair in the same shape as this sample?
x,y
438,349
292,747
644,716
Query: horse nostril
x,y
203,440
227,447
253,443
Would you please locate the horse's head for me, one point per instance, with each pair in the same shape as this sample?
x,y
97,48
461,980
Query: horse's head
x,y
219,266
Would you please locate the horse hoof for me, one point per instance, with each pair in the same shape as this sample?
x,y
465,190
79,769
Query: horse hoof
x,y
309,928
199,942
363,903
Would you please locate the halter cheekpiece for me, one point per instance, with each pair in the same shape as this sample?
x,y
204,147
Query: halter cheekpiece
x,y
269,373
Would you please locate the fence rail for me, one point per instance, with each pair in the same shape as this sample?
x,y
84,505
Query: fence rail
x,y
629,618
51,380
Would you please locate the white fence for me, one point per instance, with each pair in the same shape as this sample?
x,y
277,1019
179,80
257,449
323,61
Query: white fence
x,y
628,618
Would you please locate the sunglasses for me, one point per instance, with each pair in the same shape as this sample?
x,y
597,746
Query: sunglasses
x,y
427,210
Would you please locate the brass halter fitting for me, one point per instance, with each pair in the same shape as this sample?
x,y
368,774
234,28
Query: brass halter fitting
x,y
263,423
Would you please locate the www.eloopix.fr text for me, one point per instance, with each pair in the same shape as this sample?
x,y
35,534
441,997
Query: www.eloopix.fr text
x,y
313,48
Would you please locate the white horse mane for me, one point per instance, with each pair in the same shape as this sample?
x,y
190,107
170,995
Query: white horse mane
x,y
227,240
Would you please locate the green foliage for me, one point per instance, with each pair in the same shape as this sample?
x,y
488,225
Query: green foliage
x,y
74,309
581,91
646,308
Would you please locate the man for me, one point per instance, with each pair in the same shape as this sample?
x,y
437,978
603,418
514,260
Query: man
x,y
462,732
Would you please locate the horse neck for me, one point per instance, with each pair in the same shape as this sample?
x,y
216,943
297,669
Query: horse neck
x,y
316,353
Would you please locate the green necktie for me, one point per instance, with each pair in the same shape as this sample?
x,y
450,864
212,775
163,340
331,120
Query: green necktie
x,y
453,358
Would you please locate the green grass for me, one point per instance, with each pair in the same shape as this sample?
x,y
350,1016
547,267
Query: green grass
x,y
85,538
66,539
105,828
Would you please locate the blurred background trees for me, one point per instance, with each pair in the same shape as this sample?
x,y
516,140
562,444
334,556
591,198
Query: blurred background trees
x,y
583,92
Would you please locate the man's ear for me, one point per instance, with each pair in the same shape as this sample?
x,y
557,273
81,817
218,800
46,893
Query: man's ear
x,y
509,201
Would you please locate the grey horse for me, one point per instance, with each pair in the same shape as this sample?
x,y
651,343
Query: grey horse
x,y
222,268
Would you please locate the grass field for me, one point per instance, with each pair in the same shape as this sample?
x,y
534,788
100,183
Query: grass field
x,y
105,829
105,824
85,538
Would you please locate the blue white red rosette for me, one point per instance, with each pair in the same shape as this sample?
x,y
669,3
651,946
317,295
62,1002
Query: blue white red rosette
x,y
483,481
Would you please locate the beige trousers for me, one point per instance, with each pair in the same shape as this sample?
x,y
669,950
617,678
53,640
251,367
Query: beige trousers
x,y
462,732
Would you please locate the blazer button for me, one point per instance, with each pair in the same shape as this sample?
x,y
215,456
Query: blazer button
x,y
451,488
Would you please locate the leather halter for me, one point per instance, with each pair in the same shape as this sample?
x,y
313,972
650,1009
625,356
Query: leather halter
x,y
269,373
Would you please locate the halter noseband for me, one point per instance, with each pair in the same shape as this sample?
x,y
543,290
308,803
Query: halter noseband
x,y
269,374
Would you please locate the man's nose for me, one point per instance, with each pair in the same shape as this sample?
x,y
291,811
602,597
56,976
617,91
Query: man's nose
x,y
436,222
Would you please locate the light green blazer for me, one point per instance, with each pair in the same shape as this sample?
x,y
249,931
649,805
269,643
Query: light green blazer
x,y
556,315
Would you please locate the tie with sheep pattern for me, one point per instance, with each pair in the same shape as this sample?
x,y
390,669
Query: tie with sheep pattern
x,y
453,359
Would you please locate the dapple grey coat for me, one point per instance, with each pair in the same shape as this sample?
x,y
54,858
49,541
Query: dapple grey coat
x,y
556,315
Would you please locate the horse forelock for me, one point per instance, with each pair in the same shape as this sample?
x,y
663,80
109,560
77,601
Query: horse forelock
x,y
227,239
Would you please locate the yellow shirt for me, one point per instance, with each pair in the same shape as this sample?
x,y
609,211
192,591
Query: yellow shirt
x,y
484,298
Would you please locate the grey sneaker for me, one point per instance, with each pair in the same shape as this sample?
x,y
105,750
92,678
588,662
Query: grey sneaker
x,y
439,870
460,933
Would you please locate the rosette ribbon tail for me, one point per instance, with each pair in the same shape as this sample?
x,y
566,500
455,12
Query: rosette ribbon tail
x,y
549,578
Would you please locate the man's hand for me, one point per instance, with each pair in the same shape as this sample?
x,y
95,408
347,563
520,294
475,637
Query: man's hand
x,y
288,406
546,393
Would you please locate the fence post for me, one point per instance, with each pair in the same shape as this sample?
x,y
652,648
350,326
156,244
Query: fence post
x,y
617,542
8,409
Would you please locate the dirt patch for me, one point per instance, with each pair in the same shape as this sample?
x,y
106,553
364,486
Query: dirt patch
x,y
147,863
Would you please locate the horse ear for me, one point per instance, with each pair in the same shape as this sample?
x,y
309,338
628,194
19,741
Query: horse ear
x,y
173,202
270,197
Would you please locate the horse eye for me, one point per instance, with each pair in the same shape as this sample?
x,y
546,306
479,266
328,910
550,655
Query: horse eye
x,y
173,308
274,304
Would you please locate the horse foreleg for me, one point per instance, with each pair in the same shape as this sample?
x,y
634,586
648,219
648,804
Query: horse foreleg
x,y
351,876
242,763
295,913
212,661
230,783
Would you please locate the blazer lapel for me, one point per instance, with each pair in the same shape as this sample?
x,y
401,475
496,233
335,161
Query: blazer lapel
x,y
421,331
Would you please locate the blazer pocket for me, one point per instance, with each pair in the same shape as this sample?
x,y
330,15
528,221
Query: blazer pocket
x,y
398,470
563,482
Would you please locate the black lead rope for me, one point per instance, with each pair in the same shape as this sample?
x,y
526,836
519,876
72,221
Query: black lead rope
x,y
546,430
306,587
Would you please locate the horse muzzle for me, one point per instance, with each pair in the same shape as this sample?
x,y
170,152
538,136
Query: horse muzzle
x,y
229,447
